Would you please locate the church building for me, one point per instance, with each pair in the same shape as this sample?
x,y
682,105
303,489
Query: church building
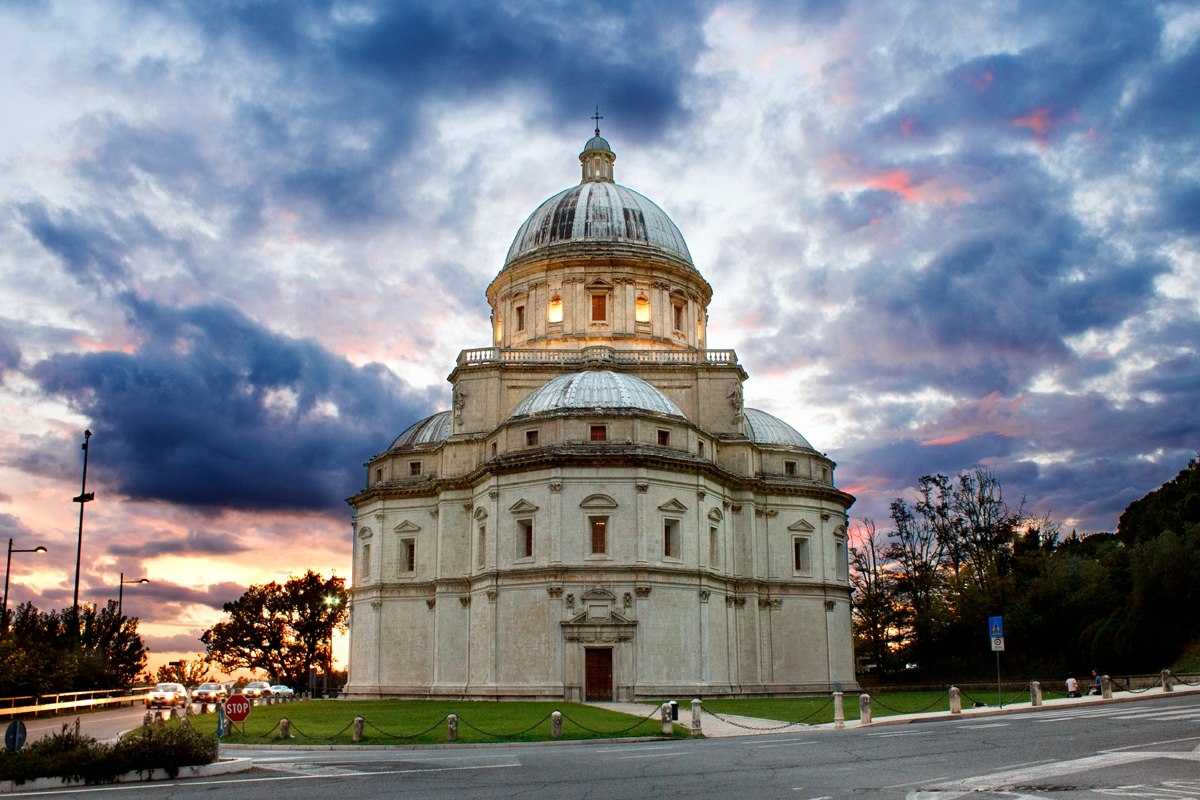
x,y
598,516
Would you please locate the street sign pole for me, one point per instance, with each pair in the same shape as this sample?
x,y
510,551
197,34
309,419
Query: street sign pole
x,y
996,634
999,694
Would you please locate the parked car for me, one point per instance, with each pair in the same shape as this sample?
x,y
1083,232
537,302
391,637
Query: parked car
x,y
279,690
257,689
209,693
167,695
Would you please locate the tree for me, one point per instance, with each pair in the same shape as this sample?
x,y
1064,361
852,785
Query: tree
x,y
283,630
875,611
919,553
188,672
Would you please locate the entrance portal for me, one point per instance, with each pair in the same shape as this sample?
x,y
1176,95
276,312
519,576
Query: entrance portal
x,y
598,679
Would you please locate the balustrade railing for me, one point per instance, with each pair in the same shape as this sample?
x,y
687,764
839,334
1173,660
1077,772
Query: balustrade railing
x,y
592,354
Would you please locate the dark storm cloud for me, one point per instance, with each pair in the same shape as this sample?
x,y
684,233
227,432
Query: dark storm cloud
x,y
12,527
193,543
178,643
215,410
90,252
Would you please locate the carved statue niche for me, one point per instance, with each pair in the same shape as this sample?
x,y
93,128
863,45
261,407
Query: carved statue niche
x,y
736,403
460,402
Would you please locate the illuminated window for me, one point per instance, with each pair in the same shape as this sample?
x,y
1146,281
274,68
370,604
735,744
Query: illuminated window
x,y
664,438
800,559
789,467
599,308
641,308
531,438
414,468
524,538
670,538
599,530
599,433
554,309
499,331
520,318
678,318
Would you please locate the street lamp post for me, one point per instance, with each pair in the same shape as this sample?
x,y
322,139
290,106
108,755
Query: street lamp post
x,y
331,601
83,499
121,592
7,571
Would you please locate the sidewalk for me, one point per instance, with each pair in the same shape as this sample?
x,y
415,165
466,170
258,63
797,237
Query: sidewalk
x,y
712,726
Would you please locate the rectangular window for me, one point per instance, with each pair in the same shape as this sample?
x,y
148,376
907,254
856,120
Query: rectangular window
x,y
378,475
493,449
714,547
520,318
365,567
839,554
599,433
664,438
789,467
700,448
481,554
524,538
599,308
824,473
599,531
800,562
414,468
679,318
408,555
671,538
531,438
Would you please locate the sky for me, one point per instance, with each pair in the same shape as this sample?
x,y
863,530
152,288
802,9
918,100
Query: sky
x,y
244,242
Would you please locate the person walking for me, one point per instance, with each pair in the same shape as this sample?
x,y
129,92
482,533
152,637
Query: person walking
x,y
1072,687
1097,684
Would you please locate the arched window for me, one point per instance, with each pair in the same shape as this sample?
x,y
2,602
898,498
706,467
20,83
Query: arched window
x,y
641,308
554,309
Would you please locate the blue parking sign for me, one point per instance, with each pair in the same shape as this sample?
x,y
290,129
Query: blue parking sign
x,y
996,627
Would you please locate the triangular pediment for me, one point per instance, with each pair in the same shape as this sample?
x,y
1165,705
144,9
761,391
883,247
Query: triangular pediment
x,y
523,506
407,527
598,283
801,525
598,501
673,506
598,594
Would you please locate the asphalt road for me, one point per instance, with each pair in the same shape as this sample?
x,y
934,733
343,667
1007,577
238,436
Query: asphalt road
x,y
1144,750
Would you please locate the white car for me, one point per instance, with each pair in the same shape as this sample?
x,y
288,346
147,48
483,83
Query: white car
x,y
167,695
279,690
257,689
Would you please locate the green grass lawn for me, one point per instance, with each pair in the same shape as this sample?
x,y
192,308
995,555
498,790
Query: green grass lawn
x,y
817,710
423,722
1188,662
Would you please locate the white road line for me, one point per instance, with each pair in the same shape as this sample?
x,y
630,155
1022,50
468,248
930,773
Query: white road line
x,y
178,784
627,758
642,748
902,733
784,744
1150,744
983,725
1026,763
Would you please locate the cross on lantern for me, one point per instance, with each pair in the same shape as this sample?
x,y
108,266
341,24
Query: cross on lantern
x,y
596,118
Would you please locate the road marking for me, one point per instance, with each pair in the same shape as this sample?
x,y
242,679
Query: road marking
x,y
276,778
916,783
901,733
642,748
647,755
983,725
784,744
1150,744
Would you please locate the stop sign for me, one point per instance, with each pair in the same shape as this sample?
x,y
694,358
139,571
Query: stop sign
x,y
237,708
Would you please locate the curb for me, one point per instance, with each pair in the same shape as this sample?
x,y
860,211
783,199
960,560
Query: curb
x,y
247,748
946,716
227,767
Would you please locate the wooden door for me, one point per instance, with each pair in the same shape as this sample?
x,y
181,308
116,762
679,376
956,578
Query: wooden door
x,y
598,677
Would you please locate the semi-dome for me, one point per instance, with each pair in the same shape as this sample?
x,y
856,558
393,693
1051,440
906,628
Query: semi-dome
x,y
763,428
599,211
596,390
431,430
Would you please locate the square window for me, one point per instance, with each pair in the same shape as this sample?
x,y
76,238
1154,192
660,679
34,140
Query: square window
x,y
599,433
664,438
531,438
481,553
599,308
520,318
408,555
789,467
671,538
714,547
800,560
524,538
599,535
414,468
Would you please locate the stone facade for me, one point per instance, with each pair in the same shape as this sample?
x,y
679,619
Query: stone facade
x,y
622,549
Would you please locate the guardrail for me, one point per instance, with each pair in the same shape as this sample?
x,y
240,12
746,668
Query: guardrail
x,y
593,353
54,702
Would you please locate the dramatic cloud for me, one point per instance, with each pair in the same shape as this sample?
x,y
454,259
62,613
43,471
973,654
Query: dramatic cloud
x,y
194,543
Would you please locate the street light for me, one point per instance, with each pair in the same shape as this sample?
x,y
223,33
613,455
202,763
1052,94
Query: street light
x,y
7,570
331,601
121,592
83,499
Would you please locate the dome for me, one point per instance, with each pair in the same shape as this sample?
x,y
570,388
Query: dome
x,y
431,430
764,428
599,211
597,142
599,390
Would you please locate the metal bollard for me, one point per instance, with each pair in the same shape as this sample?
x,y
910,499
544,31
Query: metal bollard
x,y
955,701
358,729
1106,687
285,728
864,709
148,719
1167,684
1035,693
452,727
839,711
556,725
665,711
697,709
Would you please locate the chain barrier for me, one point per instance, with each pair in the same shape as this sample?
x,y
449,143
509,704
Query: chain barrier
x,y
802,721
385,734
640,722
1181,680
1117,682
505,735
875,701
979,703
304,735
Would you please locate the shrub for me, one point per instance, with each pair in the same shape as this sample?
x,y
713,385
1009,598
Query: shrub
x,y
71,755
